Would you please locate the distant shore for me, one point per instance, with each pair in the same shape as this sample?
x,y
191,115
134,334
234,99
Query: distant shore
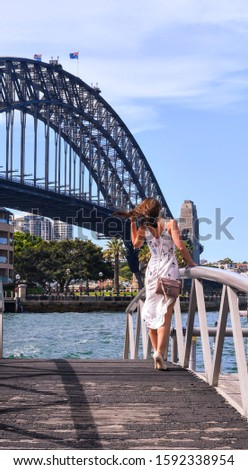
x,y
82,306
106,304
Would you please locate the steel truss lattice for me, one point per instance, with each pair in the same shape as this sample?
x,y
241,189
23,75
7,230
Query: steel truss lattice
x,y
87,153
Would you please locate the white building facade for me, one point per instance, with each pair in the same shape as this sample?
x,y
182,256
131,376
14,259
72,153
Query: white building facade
x,y
36,225
43,227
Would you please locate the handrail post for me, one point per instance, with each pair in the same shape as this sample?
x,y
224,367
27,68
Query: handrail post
x,y
204,327
126,341
131,341
174,348
192,358
220,337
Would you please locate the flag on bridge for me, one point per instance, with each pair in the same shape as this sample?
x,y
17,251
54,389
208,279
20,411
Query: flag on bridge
x,y
38,57
74,55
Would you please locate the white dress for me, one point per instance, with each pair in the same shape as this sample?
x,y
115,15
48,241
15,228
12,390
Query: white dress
x,y
163,263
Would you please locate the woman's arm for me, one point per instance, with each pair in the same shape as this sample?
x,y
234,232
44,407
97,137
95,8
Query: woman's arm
x,y
175,235
137,235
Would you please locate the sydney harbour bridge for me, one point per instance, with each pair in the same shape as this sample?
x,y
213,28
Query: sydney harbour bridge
x,y
64,152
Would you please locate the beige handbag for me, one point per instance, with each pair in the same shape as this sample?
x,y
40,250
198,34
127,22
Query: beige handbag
x,y
168,287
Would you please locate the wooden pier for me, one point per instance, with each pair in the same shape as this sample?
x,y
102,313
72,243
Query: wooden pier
x,y
74,404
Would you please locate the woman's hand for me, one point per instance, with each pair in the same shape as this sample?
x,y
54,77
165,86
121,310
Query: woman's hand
x,y
137,234
191,265
176,237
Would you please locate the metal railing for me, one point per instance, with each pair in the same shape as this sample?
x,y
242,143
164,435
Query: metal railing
x,y
136,336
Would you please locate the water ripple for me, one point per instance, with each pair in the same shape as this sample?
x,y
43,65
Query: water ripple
x,y
95,335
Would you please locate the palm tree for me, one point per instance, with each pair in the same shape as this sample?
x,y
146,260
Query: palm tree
x,y
144,257
114,251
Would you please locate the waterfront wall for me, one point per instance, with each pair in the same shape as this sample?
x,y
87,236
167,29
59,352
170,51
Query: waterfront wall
x,y
90,304
74,306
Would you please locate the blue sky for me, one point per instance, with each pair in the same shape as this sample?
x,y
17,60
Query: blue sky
x,y
176,71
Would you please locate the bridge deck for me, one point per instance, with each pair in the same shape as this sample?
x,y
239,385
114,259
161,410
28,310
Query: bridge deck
x,y
228,387
59,404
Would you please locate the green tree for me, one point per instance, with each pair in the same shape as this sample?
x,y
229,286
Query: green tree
x,y
226,261
26,247
180,259
114,251
87,261
125,272
23,241
73,259
144,256
61,261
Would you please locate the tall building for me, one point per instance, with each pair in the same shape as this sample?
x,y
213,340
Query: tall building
x,y
189,228
35,225
43,227
6,246
62,230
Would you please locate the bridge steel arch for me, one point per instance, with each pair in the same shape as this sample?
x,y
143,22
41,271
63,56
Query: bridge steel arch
x,y
85,158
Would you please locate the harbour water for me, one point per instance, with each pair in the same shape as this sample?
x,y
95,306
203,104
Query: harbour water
x,y
95,335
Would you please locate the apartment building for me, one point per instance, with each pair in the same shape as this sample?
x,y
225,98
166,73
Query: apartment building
x,y
43,227
35,225
6,246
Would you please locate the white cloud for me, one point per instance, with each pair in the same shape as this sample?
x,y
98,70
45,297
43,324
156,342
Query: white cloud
x,y
120,25
168,78
139,117
140,51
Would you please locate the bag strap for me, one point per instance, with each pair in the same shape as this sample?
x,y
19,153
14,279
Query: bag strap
x,y
164,227
163,289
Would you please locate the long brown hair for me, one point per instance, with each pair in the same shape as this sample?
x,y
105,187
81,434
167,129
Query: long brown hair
x,y
146,212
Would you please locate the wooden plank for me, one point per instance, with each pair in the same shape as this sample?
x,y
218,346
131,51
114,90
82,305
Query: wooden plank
x,y
228,387
60,404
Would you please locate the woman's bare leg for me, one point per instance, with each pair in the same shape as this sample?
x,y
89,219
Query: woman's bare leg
x,y
153,337
163,333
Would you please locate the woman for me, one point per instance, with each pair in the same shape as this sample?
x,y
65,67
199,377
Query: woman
x,y
161,236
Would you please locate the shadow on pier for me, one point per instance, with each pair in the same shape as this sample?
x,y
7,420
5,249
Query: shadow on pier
x,y
60,404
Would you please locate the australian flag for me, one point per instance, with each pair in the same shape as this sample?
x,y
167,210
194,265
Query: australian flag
x,y
74,55
38,57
